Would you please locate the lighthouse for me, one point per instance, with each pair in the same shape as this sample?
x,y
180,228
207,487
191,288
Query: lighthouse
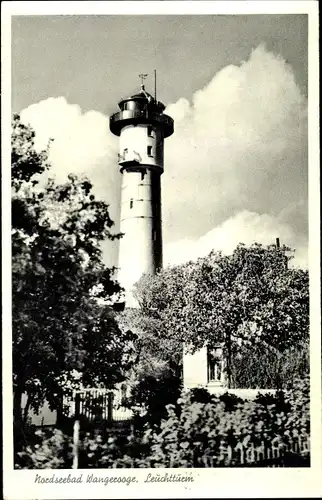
x,y
141,126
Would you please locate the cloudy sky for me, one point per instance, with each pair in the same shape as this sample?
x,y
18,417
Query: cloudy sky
x,y
235,168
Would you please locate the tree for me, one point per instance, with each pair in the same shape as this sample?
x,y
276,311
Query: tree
x,y
156,352
155,377
64,329
250,297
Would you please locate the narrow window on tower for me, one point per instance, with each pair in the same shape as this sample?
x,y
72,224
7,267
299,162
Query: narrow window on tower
x,y
150,131
154,235
131,203
149,150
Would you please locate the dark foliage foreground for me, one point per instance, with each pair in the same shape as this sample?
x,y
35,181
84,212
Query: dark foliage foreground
x,y
200,430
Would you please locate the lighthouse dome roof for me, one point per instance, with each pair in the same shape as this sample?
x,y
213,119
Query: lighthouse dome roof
x,y
143,94
144,98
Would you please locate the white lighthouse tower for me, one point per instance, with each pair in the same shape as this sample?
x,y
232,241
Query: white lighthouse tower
x,y
142,127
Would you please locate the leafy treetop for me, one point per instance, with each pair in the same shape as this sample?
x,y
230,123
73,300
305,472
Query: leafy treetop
x,y
249,297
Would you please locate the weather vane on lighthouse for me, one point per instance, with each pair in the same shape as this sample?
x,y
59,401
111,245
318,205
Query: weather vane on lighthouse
x,y
143,77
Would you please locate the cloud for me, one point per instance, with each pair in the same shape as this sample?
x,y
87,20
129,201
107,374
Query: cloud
x,y
245,227
235,166
241,144
82,144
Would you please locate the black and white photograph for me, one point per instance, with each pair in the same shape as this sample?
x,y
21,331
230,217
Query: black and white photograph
x,y
163,308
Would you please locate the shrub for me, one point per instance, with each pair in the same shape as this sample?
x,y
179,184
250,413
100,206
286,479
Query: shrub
x,y
295,365
153,393
50,449
207,429
264,367
199,430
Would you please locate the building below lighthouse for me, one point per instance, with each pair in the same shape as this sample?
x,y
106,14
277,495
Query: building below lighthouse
x,y
141,126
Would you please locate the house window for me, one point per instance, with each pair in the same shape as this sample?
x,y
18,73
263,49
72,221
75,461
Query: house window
x,y
214,364
131,203
150,131
149,150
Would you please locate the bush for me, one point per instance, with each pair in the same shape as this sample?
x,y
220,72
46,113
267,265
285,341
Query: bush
x,y
265,367
199,430
203,430
48,449
152,394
